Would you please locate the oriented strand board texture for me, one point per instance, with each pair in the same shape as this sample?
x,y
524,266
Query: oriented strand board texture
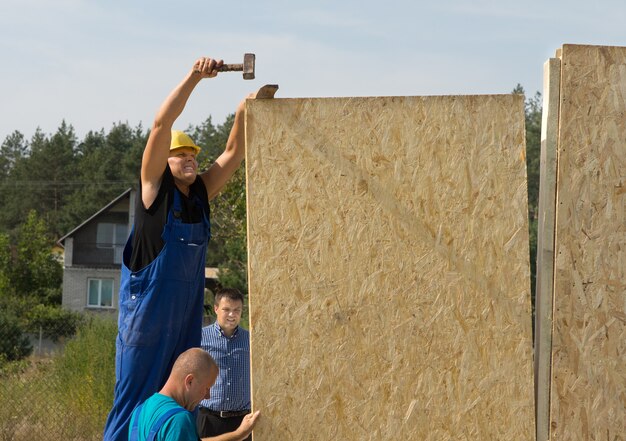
x,y
588,397
389,269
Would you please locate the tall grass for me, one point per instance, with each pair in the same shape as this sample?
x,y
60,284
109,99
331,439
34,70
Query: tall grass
x,y
85,373
66,397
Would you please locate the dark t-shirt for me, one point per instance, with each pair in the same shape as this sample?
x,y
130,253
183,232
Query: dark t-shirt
x,y
149,223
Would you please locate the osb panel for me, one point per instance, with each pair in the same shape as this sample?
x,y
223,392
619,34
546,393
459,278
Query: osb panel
x,y
588,396
388,269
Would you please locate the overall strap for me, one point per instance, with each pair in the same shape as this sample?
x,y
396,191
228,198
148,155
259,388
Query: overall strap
x,y
205,208
174,214
157,425
134,430
177,203
134,435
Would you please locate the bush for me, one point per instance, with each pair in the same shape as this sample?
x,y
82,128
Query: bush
x,y
14,345
54,321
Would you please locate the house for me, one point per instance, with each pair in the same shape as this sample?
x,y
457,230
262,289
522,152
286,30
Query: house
x,y
93,258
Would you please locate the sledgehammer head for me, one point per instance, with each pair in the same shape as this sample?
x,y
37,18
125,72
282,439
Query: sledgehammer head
x,y
248,66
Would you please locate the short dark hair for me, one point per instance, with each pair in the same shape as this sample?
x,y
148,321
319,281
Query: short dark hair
x,y
229,293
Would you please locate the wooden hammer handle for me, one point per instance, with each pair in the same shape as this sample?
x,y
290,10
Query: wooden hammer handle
x,y
231,68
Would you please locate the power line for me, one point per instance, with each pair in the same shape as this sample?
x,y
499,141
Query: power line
x,y
61,186
15,183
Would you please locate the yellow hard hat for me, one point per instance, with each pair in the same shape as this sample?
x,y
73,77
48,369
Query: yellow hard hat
x,y
181,139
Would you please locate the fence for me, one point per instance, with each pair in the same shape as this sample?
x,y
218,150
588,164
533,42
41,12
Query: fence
x,y
63,390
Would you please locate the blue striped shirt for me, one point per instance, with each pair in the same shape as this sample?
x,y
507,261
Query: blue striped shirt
x,y
231,391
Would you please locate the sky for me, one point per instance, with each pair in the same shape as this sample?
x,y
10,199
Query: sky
x,y
96,63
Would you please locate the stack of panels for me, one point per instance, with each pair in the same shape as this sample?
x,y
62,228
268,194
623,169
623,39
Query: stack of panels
x,y
587,377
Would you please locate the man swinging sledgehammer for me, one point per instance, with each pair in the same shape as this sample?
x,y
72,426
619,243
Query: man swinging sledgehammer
x,y
162,281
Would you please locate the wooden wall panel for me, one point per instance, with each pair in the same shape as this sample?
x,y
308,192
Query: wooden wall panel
x,y
588,396
388,268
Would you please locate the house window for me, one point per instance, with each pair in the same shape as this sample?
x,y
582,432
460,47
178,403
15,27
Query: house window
x,y
111,235
100,293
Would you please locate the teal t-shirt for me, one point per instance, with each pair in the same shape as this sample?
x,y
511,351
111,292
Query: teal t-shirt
x,y
180,427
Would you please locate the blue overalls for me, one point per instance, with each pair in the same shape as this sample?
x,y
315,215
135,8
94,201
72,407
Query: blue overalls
x,y
160,315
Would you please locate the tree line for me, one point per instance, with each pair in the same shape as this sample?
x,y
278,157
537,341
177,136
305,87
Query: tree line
x,y
49,184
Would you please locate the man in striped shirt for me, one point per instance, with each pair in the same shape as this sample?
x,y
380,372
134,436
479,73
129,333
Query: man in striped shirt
x,y
229,345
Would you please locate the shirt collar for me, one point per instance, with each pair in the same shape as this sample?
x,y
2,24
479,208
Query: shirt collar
x,y
219,329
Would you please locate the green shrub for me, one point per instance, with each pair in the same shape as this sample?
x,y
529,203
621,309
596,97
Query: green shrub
x,y
54,321
14,345
17,307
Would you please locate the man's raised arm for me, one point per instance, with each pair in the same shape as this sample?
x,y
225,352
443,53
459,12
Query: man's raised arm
x,y
157,148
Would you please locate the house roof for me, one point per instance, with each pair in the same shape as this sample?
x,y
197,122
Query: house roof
x,y
106,207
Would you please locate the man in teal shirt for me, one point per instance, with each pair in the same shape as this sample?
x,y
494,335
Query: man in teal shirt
x,y
167,415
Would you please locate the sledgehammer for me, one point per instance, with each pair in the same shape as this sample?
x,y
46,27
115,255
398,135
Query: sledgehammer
x,y
247,67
